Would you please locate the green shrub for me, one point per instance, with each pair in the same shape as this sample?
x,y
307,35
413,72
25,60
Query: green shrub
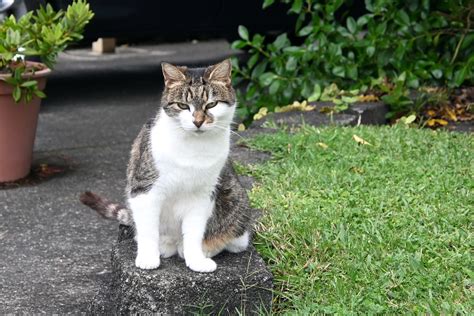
x,y
396,46
42,33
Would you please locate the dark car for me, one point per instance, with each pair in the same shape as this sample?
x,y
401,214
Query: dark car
x,y
168,19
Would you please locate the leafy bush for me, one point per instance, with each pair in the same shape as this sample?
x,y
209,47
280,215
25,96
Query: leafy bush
x,y
43,33
396,46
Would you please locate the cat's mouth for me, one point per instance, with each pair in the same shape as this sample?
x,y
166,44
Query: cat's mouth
x,y
199,131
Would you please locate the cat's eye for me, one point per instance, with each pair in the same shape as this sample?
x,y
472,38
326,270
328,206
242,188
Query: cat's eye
x,y
182,106
211,105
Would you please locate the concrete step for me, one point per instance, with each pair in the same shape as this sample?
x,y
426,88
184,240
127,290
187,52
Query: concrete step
x,y
241,283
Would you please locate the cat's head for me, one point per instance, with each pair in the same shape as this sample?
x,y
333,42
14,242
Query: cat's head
x,y
199,99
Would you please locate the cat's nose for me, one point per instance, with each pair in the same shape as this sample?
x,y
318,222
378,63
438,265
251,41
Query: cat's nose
x,y
198,123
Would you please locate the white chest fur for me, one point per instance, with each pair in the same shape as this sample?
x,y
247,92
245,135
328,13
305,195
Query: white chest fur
x,y
187,163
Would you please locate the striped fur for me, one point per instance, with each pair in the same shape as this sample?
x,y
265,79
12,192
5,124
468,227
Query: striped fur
x,y
183,195
107,209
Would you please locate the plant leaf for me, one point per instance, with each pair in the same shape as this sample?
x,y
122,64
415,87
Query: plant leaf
x,y
316,93
351,25
40,94
323,145
370,51
243,32
407,120
281,41
267,78
437,73
305,30
267,3
360,141
402,18
238,44
291,63
30,83
274,87
297,6
17,93
339,71
459,75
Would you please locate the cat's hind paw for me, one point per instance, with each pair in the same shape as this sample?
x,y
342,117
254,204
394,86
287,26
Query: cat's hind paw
x,y
147,261
202,265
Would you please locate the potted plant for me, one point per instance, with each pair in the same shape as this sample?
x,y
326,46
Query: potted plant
x,y
42,34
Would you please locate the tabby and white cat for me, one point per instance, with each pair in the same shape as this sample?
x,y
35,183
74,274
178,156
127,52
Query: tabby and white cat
x,y
183,194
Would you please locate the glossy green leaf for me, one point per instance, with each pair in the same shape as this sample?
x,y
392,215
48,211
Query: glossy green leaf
x,y
350,99
460,75
351,25
238,44
297,6
402,18
291,63
437,73
281,41
380,29
257,40
28,84
267,3
17,93
40,94
339,71
252,60
305,30
316,93
363,20
413,83
243,32
259,69
369,5
370,51
352,72
294,50
274,87
267,78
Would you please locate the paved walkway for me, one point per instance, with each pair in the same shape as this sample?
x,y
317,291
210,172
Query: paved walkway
x,y
54,252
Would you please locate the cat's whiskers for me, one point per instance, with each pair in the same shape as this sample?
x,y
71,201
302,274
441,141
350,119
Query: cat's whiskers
x,y
226,128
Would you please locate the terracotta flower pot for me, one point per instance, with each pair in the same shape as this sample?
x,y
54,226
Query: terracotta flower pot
x,y
18,127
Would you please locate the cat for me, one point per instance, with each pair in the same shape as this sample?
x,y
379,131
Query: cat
x,y
182,192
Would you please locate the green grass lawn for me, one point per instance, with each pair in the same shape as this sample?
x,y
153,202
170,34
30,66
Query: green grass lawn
x,y
380,228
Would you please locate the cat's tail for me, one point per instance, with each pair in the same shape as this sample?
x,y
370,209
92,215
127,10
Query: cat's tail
x,y
106,208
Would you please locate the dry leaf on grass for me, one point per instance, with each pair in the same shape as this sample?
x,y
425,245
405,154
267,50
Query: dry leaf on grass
x,y
436,122
323,145
360,140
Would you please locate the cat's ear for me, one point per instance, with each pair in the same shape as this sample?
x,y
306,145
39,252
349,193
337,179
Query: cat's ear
x,y
173,75
219,73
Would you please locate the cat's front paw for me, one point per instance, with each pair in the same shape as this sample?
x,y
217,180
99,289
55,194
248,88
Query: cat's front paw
x,y
147,261
202,265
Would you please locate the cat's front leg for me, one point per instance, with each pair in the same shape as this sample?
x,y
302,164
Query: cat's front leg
x,y
146,209
193,229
